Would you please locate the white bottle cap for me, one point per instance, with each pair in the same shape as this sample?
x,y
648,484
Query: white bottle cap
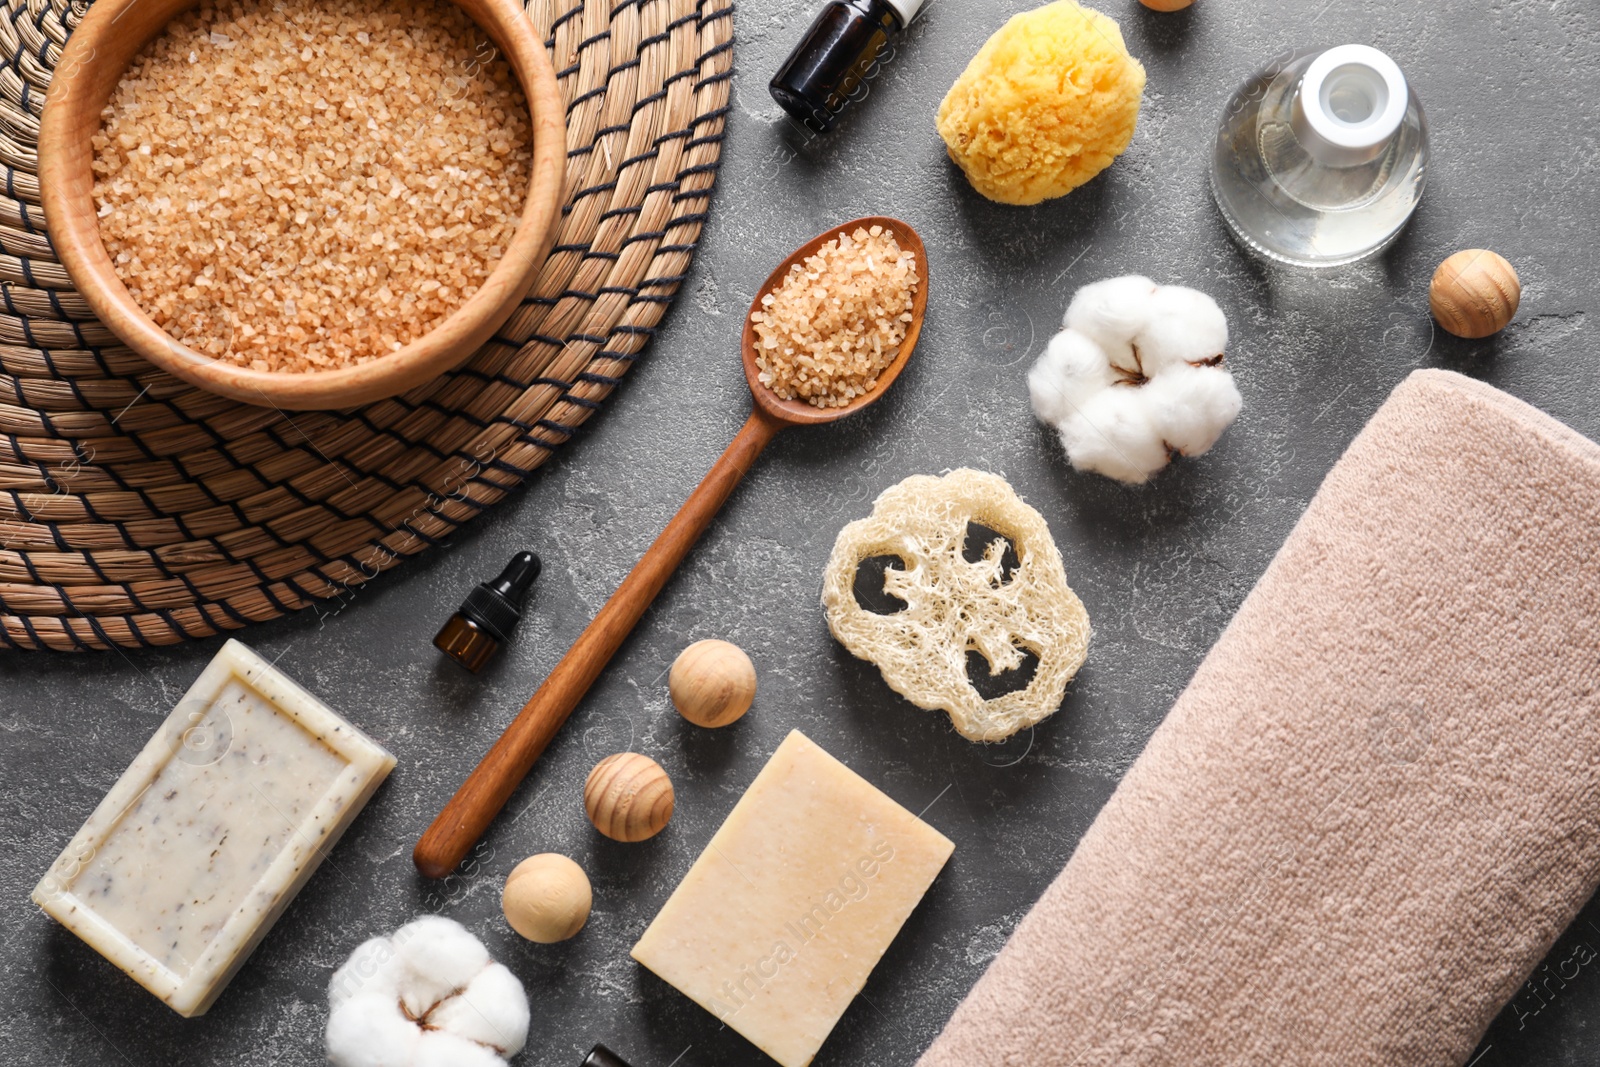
x,y
1351,101
906,9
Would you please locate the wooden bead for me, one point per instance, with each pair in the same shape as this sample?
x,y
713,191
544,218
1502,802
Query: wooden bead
x,y
1474,293
628,797
547,898
712,683
1166,5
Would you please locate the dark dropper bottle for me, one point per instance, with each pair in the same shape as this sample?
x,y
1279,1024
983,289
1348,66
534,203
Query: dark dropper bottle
x,y
486,618
838,56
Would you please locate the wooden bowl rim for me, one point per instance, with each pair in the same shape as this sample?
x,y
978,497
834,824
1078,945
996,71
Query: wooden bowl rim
x,y
799,412
67,185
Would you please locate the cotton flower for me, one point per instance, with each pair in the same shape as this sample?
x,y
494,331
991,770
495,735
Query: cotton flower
x,y
426,996
1135,376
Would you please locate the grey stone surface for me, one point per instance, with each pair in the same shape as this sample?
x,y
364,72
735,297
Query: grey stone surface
x,y
1509,87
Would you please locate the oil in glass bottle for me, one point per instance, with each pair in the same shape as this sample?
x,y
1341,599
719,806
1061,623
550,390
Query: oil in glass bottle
x,y
1321,157
837,58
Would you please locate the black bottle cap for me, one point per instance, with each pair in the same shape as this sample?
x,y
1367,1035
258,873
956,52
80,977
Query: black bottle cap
x,y
497,605
488,615
600,1056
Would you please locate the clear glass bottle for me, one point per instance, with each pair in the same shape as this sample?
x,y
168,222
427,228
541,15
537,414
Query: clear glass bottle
x,y
1321,157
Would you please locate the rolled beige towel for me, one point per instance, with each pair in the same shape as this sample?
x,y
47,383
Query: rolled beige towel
x,y
1376,805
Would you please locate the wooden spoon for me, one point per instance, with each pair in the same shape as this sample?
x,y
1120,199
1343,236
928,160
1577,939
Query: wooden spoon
x,y
468,814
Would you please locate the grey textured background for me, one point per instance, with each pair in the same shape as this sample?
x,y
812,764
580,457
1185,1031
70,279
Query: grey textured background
x,y
1509,87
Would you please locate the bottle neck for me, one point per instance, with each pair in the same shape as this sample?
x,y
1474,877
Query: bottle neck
x,y
904,10
1349,105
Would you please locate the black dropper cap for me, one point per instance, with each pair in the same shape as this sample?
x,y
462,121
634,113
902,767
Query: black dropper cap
x,y
488,615
600,1056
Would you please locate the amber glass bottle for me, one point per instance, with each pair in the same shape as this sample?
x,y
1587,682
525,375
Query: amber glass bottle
x,y
486,618
836,60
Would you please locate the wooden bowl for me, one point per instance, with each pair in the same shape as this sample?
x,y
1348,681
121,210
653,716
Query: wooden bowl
x,y
92,64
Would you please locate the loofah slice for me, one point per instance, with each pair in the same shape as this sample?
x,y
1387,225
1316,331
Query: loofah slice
x,y
954,605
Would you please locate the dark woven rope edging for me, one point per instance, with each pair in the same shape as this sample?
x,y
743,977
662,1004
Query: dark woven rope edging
x,y
136,510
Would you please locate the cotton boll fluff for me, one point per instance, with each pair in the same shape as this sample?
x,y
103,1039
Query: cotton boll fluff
x,y
437,957
1072,367
371,1031
491,1011
1111,314
1136,376
440,1049
1111,433
426,996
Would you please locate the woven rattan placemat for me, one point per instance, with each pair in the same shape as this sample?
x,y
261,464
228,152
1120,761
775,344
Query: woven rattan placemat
x,y
136,510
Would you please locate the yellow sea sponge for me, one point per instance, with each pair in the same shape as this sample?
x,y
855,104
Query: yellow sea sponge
x,y
1047,103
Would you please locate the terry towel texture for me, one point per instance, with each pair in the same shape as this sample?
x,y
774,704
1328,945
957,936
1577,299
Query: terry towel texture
x,y
1375,806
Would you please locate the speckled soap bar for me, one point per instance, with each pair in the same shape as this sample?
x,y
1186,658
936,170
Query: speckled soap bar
x,y
208,836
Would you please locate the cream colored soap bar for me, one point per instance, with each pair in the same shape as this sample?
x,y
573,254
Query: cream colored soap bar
x,y
207,837
778,923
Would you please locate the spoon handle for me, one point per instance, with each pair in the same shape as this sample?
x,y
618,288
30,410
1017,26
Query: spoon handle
x,y
468,814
